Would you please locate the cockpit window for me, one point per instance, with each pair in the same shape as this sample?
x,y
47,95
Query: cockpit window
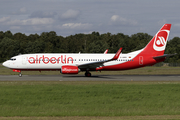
x,y
13,59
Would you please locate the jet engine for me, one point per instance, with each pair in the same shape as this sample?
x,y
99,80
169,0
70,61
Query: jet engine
x,y
69,69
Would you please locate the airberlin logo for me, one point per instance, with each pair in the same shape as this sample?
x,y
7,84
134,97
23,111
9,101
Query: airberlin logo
x,y
69,70
53,60
160,40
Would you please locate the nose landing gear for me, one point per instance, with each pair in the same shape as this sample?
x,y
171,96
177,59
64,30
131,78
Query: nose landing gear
x,y
19,71
20,75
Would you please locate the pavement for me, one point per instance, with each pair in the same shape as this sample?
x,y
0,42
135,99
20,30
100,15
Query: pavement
x,y
92,78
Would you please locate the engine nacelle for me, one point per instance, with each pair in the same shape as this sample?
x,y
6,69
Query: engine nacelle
x,y
68,69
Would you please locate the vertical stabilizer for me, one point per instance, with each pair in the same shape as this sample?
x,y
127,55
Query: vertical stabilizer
x,y
157,44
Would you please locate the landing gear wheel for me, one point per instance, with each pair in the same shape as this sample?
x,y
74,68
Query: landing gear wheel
x,y
20,75
88,74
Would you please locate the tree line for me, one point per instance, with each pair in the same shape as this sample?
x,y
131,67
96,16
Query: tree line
x,y
50,42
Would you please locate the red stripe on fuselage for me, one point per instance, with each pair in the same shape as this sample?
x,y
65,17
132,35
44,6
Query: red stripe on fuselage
x,y
135,63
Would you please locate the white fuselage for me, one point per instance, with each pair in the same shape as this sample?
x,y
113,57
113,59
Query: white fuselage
x,y
53,61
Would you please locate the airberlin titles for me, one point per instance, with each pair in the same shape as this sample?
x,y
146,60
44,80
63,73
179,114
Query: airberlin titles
x,y
43,59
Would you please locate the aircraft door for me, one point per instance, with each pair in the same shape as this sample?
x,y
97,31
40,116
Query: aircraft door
x,y
24,60
140,60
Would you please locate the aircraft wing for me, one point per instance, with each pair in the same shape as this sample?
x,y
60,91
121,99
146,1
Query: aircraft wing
x,y
100,63
164,56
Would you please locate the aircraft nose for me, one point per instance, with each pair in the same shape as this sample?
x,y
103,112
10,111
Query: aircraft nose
x,y
5,64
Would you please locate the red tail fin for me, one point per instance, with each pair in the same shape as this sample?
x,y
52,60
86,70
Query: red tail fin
x,y
157,45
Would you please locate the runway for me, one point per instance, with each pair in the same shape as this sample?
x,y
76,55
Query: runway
x,y
93,78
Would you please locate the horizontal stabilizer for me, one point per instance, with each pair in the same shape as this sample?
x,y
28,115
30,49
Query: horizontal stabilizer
x,y
164,56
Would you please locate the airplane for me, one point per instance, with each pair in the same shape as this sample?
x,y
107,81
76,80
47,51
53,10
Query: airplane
x,y
72,63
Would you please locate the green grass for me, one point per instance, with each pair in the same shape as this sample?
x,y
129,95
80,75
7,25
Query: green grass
x,y
89,98
85,100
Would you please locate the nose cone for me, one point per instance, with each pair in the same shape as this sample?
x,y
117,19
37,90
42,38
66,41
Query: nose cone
x,y
5,64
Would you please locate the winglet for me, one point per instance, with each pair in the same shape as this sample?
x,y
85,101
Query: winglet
x,y
117,54
105,52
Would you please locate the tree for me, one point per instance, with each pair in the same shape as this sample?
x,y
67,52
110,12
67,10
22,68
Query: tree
x,y
8,48
8,34
50,42
140,40
1,35
173,46
98,46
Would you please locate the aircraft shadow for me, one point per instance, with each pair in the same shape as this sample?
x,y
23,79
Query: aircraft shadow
x,y
94,76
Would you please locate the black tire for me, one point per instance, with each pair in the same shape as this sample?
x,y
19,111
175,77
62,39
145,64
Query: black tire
x,y
88,74
20,75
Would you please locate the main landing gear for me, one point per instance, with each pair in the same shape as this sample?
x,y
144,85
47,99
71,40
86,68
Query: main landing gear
x,y
87,74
